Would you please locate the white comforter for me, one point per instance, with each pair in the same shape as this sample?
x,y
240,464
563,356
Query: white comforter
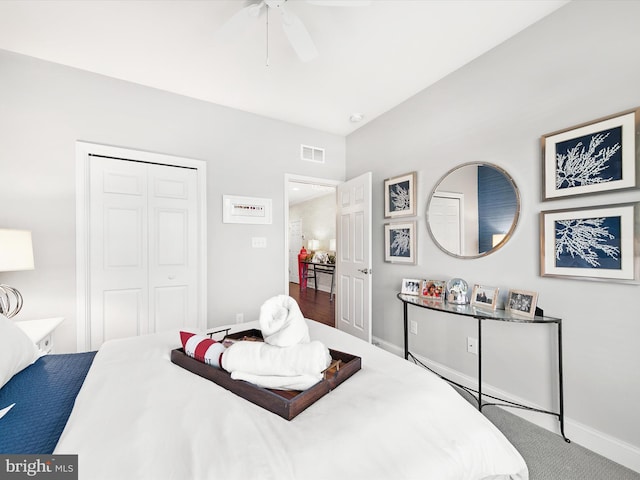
x,y
138,416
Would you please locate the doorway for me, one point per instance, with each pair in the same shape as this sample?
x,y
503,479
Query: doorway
x,y
310,219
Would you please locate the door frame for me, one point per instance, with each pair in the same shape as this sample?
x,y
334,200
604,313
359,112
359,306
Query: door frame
x,y
83,151
290,177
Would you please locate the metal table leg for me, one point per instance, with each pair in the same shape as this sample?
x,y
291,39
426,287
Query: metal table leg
x,y
561,383
479,364
406,330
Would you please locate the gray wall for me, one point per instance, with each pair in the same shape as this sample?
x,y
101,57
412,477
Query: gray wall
x,y
579,64
45,108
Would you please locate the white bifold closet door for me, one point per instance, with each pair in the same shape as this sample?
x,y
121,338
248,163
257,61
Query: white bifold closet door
x,y
143,248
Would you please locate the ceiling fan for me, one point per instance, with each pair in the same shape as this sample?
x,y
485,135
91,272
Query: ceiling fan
x,y
293,27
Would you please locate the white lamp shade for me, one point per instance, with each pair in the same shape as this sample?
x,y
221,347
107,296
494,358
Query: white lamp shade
x,y
314,244
16,250
332,244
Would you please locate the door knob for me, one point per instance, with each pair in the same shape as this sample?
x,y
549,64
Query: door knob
x,y
365,270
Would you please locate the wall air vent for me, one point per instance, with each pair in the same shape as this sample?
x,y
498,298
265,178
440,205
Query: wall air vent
x,y
312,154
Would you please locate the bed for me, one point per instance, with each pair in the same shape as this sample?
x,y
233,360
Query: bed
x,y
139,416
39,400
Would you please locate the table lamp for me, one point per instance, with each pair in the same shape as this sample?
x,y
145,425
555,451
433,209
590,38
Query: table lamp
x,y
16,253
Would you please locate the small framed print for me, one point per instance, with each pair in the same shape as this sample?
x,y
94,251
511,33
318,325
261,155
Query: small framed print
x,y
410,286
433,289
400,196
521,302
590,243
246,210
484,297
593,157
400,242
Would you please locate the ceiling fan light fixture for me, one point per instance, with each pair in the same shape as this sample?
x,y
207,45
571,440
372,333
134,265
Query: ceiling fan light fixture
x,y
293,27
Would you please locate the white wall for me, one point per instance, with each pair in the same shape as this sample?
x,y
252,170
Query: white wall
x,y
576,65
46,107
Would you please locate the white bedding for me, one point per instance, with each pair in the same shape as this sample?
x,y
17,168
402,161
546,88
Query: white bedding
x,y
138,416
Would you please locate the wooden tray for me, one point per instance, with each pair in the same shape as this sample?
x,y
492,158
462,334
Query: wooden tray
x,y
285,403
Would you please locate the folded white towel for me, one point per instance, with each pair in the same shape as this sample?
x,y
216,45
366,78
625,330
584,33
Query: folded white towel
x,y
298,382
282,322
259,358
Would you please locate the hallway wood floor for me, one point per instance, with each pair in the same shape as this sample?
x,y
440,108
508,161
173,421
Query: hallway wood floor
x,y
314,305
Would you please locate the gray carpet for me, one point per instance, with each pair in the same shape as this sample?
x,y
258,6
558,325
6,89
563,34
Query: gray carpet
x,y
548,456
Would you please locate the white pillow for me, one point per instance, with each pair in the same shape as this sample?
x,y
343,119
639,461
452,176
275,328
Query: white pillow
x,y
17,351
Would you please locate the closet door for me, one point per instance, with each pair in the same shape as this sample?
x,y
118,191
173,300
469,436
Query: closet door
x,y
143,234
172,247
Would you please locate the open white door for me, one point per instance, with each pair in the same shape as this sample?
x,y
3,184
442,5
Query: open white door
x,y
354,257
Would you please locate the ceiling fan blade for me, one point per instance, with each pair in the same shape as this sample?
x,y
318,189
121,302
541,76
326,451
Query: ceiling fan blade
x,y
340,3
298,36
240,20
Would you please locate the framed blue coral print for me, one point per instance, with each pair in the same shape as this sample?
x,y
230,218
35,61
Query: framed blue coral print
x,y
593,157
400,242
591,242
400,196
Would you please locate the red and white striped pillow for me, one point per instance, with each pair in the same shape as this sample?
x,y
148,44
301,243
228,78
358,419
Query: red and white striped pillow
x,y
202,348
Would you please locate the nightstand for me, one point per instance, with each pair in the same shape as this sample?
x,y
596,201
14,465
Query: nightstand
x,y
41,331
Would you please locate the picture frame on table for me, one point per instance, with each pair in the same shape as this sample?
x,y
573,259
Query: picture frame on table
x,y
400,242
590,242
400,196
410,286
484,297
433,289
521,302
593,157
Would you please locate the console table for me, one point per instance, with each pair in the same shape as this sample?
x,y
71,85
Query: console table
x,y
482,315
329,268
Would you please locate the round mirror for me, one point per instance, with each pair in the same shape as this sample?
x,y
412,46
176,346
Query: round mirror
x,y
473,210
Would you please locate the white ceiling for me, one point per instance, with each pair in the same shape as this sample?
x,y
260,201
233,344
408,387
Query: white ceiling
x,y
371,58
301,192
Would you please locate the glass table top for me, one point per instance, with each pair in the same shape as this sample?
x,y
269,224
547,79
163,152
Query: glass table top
x,y
472,311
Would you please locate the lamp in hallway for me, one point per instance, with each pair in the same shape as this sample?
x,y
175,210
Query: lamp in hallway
x,y
16,253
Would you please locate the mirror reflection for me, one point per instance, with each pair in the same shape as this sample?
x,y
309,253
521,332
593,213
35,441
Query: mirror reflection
x,y
473,210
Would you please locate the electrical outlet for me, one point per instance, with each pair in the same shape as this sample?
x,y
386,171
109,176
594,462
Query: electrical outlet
x,y
472,345
413,327
239,317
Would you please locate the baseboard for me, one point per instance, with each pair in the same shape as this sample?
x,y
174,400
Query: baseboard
x,y
599,442
321,287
